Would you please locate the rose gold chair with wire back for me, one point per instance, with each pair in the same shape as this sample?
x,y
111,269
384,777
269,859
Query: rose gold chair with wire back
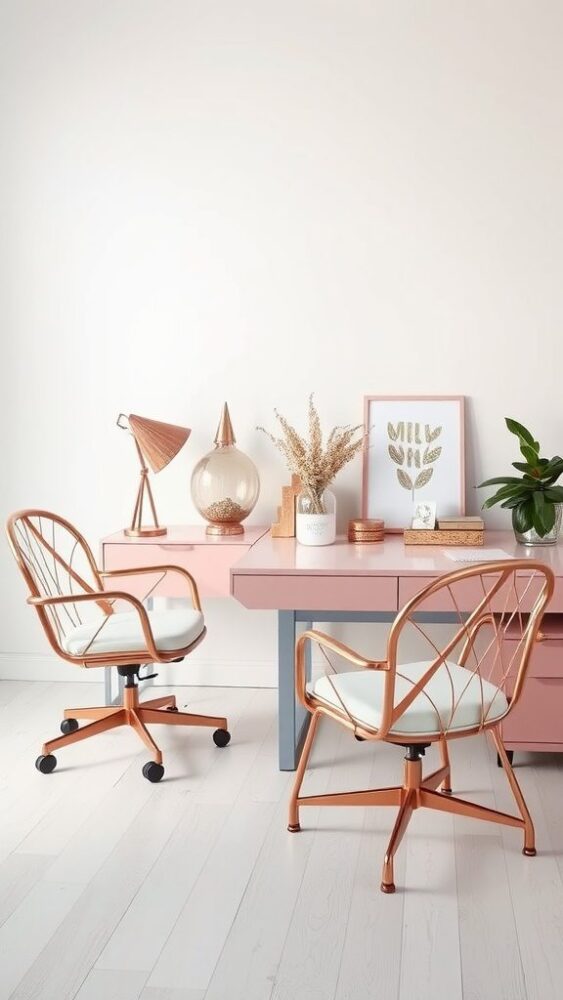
x,y
92,626
457,688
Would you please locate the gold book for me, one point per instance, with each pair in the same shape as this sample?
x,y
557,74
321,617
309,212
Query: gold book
x,y
461,523
422,536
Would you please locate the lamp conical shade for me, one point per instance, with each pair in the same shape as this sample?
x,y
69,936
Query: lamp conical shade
x,y
158,442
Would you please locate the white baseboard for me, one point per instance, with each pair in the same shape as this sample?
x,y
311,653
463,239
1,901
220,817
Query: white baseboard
x,y
212,673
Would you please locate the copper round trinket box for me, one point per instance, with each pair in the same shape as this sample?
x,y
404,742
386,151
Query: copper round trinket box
x,y
365,529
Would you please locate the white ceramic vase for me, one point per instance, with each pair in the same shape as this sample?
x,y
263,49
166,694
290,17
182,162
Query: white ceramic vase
x,y
315,519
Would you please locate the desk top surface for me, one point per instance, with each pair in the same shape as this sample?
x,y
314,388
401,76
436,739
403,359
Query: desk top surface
x,y
188,534
284,556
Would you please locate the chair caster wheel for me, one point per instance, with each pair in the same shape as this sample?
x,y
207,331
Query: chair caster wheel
x,y
221,737
446,791
172,708
46,763
69,726
153,771
530,852
360,739
388,887
294,828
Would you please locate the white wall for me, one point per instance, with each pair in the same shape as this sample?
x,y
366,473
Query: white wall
x,y
253,200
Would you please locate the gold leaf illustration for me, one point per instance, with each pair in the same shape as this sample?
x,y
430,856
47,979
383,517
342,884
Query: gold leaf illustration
x,y
397,454
423,478
391,432
404,479
431,455
431,435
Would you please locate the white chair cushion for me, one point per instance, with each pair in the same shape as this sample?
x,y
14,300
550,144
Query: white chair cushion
x,y
122,632
362,694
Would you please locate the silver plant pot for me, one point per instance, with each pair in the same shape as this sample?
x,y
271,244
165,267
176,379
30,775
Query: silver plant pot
x,y
531,537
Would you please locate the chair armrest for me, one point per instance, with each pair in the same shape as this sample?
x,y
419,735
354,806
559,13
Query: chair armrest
x,y
106,596
196,603
326,642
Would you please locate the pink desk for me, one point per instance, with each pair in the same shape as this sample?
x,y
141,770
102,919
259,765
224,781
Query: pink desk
x,y
208,558
367,583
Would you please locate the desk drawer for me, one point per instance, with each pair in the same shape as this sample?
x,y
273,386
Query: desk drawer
x,y
546,659
210,566
538,716
316,593
468,594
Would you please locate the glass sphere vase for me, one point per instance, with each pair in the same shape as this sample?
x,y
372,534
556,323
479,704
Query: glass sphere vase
x,y
225,484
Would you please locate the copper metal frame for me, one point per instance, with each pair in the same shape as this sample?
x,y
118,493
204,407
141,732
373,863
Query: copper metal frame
x,y
418,790
131,712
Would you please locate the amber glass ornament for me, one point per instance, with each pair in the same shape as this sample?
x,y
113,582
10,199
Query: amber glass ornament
x,y
225,483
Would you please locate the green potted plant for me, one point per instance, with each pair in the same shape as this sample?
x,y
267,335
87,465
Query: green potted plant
x,y
534,499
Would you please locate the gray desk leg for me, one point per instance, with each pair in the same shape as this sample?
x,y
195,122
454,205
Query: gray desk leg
x,y
293,719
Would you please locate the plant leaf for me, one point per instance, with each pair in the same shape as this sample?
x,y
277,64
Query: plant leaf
x,y
523,467
404,479
529,454
500,479
554,494
553,468
391,432
522,517
424,477
515,428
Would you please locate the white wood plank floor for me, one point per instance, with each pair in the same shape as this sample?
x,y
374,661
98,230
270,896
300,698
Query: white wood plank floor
x,y
115,889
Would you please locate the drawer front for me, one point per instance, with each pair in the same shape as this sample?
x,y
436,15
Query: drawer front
x,y
546,659
469,593
317,593
210,566
538,716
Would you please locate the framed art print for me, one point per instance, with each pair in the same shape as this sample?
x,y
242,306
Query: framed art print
x,y
415,453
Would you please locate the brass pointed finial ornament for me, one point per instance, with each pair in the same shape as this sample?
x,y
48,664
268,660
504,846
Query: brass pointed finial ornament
x,y
225,484
156,443
225,434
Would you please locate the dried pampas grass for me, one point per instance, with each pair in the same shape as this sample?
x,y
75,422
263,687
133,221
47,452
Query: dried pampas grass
x,y
316,465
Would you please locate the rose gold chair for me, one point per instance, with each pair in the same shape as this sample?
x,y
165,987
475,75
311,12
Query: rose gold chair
x,y
84,625
461,688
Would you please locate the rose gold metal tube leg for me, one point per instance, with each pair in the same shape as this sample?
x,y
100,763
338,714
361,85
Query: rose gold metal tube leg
x,y
99,712
92,729
401,823
144,734
166,702
293,823
158,717
445,759
363,797
529,834
460,807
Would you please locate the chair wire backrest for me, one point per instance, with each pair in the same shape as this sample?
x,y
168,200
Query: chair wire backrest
x,y
492,603
55,560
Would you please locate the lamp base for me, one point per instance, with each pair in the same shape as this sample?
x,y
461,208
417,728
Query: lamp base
x,y
144,532
229,528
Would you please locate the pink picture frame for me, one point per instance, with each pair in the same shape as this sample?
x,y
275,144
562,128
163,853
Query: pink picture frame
x,y
369,503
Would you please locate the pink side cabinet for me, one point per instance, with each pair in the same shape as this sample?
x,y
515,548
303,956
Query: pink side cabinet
x,y
536,722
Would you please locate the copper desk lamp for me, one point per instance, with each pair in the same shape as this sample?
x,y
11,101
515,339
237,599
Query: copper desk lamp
x,y
156,444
